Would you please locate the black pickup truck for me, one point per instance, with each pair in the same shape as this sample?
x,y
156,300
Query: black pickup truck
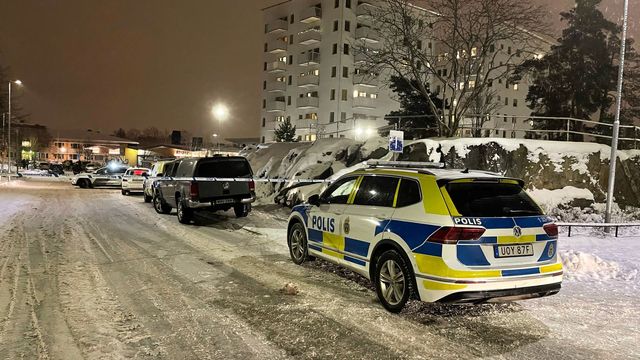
x,y
213,183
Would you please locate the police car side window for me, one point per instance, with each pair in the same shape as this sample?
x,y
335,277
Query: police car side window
x,y
376,191
408,193
101,171
339,192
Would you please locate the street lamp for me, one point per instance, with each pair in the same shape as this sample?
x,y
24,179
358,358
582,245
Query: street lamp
x,y
220,112
17,82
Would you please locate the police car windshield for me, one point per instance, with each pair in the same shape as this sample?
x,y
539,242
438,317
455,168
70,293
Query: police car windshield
x,y
489,199
224,168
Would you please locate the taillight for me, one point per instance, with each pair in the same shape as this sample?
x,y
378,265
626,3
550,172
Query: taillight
x,y
451,235
551,229
193,190
252,185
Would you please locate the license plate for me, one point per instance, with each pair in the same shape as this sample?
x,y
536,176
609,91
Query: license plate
x,y
225,201
503,251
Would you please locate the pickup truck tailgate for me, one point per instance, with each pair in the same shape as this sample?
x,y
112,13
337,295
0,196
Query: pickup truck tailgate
x,y
210,169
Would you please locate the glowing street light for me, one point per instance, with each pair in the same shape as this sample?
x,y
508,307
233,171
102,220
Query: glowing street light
x,y
19,83
220,112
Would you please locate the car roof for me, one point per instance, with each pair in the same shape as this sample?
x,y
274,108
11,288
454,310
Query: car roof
x,y
439,174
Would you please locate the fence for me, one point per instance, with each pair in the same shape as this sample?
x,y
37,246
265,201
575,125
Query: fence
x,y
597,225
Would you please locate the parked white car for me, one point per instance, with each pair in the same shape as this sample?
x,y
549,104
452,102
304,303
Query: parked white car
x,y
133,180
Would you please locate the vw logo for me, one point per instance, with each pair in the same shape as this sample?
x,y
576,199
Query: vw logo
x,y
225,186
517,231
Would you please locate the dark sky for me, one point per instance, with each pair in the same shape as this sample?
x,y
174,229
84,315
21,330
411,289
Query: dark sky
x,y
139,63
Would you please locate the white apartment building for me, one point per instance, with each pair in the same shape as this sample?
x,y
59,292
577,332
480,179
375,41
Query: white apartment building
x,y
310,73
312,77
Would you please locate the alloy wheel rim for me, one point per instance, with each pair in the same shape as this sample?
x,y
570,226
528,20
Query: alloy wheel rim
x,y
392,282
180,210
297,247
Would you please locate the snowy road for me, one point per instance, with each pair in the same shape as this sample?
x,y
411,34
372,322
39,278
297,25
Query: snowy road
x,y
93,274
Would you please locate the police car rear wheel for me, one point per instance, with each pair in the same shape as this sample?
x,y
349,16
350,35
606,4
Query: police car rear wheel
x,y
298,244
393,281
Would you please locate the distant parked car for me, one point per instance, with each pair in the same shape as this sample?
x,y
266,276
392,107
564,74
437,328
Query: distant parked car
x,y
91,167
106,176
157,171
56,169
132,180
206,184
44,165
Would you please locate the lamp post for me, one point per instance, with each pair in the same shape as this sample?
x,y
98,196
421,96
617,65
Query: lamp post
x,y
17,82
616,123
221,113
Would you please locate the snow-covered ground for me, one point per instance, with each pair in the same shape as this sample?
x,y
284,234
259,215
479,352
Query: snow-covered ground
x,y
94,274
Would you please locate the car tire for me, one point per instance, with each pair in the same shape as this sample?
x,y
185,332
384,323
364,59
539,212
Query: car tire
x,y
147,198
83,183
393,280
124,192
160,206
242,210
185,214
297,241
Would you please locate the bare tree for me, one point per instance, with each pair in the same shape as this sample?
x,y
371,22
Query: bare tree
x,y
462,47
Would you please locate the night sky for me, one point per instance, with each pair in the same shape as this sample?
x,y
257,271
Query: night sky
x,y
134,64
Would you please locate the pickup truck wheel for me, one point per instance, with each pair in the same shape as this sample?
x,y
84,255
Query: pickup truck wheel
x,y
185,214
160,206
242,210
83,183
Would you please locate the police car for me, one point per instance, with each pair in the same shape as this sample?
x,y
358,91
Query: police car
x,y
107,176
418,230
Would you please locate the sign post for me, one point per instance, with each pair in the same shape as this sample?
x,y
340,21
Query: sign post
x,y
396,142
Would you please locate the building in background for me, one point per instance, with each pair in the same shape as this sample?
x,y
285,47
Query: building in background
x,y
312,77
310,73
88,145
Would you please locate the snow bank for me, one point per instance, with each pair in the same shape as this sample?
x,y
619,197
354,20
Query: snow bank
x,y
582,266
551,199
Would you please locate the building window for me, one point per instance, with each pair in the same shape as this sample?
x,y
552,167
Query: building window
x,y
515,102
264,121
492,48
333,94
509,50
419,44
266,46
347,26
264,67
264,84
343,116
444,72
337,4
263,139
506,100
290,59
335,48
333,71
513,119
288,100
345,49
490,83
332,117
345,72
344,95
515,87
347,4
335,25
292,19
291,39
290,80
264,103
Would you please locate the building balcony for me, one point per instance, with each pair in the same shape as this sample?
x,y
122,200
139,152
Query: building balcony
x,y
365,10
276,66
309,59
310,36
311,14
307,102
364,103
367,80
367,34
308,81
276,86
276,46
276,26
275,105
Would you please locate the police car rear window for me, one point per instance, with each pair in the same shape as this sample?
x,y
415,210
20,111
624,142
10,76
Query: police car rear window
x,y
489,199
224,168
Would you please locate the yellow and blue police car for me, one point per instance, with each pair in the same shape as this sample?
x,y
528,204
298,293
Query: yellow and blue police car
x,y
441,235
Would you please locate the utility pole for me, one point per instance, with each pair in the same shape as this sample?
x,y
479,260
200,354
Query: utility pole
x,y
616,124
9,132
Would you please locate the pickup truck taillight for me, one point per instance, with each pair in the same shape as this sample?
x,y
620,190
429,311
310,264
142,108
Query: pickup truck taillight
x,y
451,235
194,191
252,185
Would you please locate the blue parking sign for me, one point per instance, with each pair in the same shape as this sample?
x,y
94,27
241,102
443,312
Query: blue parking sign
x,y
396,141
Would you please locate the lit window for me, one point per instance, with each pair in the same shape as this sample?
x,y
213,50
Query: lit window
x,y
472,83
515,87
374,96
355,93
474,51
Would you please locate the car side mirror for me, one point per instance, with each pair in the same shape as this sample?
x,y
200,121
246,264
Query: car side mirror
x,y
314,200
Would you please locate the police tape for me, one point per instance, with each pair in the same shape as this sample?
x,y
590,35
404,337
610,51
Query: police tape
x,y
264,180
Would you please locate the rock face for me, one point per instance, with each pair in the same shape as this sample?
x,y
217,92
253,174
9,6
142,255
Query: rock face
x,y
541,164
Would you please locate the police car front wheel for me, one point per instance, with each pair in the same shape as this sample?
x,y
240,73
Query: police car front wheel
x,y
298,244
393,281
